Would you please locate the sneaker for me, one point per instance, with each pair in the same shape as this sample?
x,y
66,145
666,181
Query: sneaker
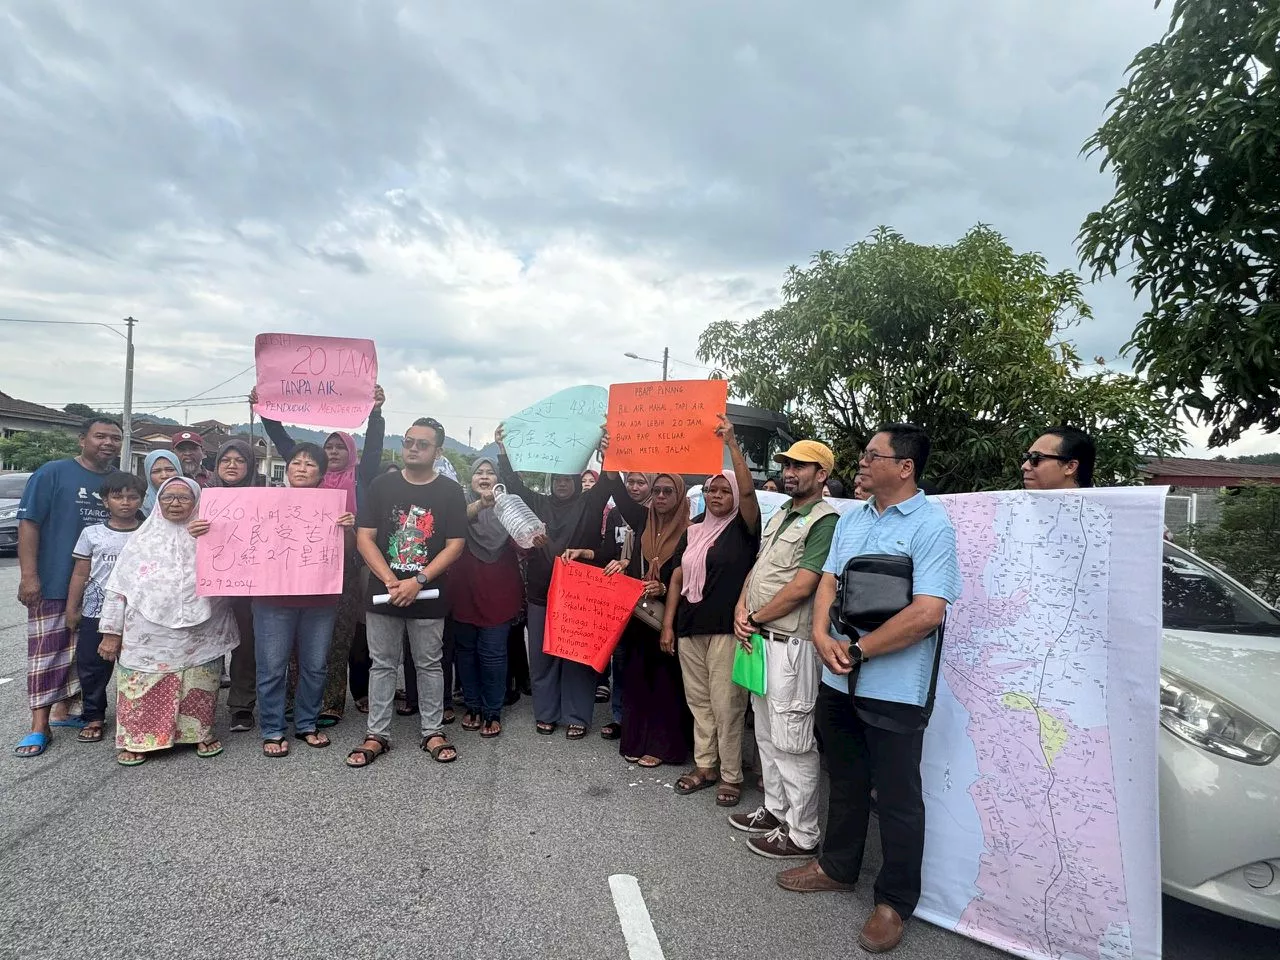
x,y
241,721
758,822
778,846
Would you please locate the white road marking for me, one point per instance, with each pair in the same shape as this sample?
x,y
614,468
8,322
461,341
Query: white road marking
x,y
637,928
6,679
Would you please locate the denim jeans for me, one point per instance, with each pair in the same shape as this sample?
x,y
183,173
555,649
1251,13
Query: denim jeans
x,y
276,631
481,658
426,639
94,672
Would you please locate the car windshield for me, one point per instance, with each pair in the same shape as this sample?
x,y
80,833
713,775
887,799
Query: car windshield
x,y
1198,598
11,486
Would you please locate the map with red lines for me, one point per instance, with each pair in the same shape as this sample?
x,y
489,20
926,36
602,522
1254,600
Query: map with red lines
x,y
1040,761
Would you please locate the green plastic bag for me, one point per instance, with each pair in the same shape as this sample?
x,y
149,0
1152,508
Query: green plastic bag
x,y
748,668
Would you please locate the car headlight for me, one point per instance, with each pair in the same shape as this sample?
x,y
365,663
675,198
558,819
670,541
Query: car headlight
x,y
1217,725
9,513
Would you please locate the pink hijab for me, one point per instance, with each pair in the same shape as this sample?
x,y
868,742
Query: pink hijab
x,y
344,479
701,537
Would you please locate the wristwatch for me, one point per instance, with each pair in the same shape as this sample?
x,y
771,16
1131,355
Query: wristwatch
x,y
421,578
751,619
856,654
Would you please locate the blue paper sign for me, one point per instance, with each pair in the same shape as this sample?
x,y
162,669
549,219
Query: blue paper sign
x,y
557,434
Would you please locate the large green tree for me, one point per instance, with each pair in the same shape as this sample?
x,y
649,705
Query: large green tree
x,y
1245,542
1193,141
29,449
967,340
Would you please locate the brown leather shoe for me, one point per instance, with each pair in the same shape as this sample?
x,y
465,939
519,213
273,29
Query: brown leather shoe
x,y
882,931
809,879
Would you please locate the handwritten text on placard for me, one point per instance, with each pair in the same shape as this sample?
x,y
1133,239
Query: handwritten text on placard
x,y
586,612
270,542
325,381
666,425
559,433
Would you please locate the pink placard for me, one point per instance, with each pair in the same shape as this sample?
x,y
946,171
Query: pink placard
x,y
321,381
270,542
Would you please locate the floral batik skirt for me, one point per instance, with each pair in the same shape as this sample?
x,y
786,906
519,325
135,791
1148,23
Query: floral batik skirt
x,y
156,710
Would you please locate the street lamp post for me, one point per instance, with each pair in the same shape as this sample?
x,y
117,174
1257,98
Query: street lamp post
x,y
666,355
126,417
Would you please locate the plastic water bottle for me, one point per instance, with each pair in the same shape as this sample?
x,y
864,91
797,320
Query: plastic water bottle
x,y
514,514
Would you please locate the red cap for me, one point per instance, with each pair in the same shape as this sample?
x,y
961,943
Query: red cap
x,y
186,436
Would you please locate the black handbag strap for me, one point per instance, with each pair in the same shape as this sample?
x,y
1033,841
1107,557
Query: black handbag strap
x,y
937,665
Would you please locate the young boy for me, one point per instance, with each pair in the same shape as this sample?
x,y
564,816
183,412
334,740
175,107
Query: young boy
x,y
95,553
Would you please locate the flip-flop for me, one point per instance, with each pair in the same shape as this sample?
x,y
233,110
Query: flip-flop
x,y
208,753
91,733
41,740
277,742
78,723
137,761
327,720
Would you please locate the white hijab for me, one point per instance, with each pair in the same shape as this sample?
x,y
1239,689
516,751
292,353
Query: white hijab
x,y
156,571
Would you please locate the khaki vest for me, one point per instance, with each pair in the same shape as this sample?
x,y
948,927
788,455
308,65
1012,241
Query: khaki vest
x,y
776,565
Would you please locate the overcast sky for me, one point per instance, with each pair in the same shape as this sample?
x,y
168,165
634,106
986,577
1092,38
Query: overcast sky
x,y
509,196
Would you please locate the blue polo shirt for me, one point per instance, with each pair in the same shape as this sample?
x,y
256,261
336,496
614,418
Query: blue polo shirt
x,y
922,531
62,498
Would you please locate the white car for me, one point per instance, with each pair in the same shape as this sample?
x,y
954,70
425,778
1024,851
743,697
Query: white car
x,y
1220,714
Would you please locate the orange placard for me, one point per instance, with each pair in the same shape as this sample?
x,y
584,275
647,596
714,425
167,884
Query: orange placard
x,y
666,426
586,612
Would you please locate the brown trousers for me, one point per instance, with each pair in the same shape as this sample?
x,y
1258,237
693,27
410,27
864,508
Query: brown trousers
x,y
718,704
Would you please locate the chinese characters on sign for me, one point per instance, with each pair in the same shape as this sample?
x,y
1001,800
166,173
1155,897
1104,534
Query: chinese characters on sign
x,y
557,434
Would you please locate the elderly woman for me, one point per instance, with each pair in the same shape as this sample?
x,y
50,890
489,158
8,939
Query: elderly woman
x,y
487,596
159,466
167,642
714,561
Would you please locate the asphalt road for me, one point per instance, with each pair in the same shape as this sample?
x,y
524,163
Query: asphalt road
x,y
506,853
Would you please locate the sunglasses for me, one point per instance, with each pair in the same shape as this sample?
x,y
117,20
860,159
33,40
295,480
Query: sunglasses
x,y
668,491
1035,458
411,444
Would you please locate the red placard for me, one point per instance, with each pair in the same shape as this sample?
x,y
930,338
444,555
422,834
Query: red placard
x,y
666,426
586,612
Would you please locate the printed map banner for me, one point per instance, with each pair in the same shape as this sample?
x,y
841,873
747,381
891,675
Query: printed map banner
x,y
1042,829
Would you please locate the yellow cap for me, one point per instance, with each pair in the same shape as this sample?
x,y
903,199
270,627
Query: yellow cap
x,y
809,451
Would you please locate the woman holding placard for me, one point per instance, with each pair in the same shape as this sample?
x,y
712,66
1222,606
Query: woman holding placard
x,y
715,560
167,642
563,691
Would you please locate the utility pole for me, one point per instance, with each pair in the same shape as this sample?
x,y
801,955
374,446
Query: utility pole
x,y
469,437
126,419
665,353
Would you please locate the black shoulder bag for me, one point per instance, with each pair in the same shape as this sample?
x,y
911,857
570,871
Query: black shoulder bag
x,y
874,588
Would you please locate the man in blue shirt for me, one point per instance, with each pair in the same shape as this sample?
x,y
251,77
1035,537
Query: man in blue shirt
x,y
59,501
875,738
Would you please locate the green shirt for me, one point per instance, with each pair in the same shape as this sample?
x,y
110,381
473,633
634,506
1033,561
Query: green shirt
x,y
818,544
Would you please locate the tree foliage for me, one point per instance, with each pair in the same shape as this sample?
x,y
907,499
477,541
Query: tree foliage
x,y
1193,141
29,449
1246,540
966,340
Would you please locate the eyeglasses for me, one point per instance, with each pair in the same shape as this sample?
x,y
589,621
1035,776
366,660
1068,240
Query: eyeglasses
x,y
668,491
869,456
1035,458
234,461
411,444
175,498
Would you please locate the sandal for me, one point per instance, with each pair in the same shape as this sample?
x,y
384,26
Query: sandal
x,y
695,781
449,715
135,759
439,748
728,795
208,748
405,710
575,731
384,746
313,738
280,743
328,719
546,729
648,762
471,721
491,729
611,731
363,704
92,733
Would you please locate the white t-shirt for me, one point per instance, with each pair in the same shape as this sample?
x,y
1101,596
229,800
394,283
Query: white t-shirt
x,y
100,545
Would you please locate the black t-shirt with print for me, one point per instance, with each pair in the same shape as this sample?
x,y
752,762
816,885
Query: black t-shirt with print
x,y
413,521
729,561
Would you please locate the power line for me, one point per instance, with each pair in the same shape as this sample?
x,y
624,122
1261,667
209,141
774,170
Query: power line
x,y
179,403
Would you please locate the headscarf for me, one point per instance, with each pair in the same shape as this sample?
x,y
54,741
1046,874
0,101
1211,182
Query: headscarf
x,y
594,473
564,516
345,479
156,571
486,537
701,537
243,448
150,500
657,548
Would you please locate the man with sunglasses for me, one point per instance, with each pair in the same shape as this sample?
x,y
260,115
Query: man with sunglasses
x,y
876,736
776,604
1061,459
411,528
